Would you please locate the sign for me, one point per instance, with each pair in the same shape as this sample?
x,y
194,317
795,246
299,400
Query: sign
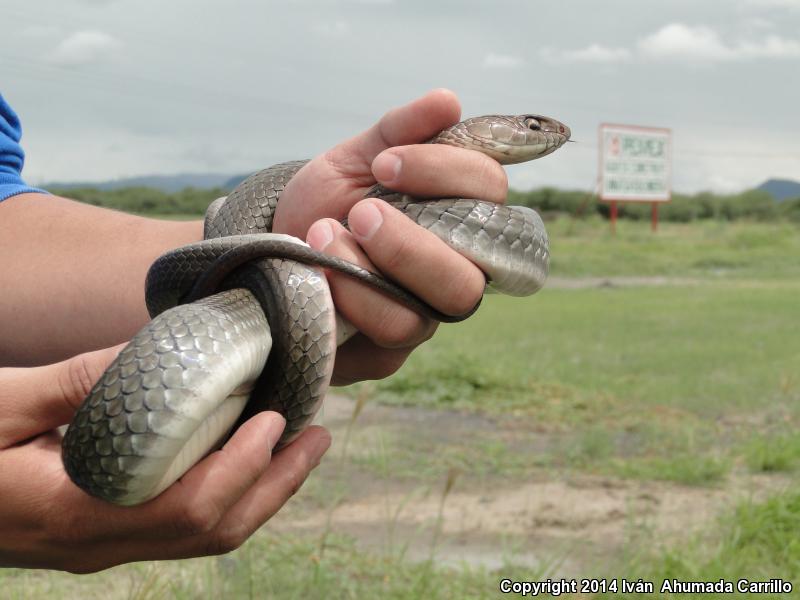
x,y
635,163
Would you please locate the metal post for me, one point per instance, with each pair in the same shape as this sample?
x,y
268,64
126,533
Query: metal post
x,y
613,217
654,220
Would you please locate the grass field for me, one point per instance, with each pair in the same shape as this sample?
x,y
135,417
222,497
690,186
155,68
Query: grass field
x,y
675,381
663,366
705,249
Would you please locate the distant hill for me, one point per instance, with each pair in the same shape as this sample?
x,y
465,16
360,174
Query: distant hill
x,y
234,181
781,189
165,183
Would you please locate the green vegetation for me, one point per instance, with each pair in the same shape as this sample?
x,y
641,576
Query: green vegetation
x,y
664,361
757,541
750,205
711,250
145,200
269,566
774,453
637,381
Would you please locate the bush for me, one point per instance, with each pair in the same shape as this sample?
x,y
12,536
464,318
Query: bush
x,y
189,201
752,204
790,209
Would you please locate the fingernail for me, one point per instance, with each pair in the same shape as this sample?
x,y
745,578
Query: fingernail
x,y
365,219
386,167
319,235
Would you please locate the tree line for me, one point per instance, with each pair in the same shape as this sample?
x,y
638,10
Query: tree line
x,y
752,204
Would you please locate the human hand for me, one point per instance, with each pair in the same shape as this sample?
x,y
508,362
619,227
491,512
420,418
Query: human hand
x,y
332,186
48,522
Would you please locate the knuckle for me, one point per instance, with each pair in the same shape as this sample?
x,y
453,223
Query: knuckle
x,y
399,328
492,180
461,294
296,476
340,162
386,364
397,253
333,158
383,128
197,518
77,379
228,539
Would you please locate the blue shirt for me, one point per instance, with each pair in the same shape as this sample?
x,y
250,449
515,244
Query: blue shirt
x,y
11,155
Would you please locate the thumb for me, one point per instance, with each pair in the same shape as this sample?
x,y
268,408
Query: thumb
x,y
333,182
37,399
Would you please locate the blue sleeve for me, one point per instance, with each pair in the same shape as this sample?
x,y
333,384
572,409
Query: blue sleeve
x,y
11,155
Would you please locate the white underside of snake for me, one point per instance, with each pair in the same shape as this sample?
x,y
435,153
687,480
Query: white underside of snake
x,y
244,321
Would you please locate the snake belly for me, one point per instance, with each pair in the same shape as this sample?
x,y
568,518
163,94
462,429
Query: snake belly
x,y
266,338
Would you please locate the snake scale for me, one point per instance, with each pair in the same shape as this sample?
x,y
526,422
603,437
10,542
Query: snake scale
x,y
243,321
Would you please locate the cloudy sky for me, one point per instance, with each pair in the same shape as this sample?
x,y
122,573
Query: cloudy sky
x,y
115,88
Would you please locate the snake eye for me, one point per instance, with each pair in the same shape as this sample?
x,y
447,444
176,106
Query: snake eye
x,y
532,124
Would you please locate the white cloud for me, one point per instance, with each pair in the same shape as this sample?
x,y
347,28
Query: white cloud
x,y
598,53
725,183
594,53
677,41
83,47
502,61
680,42
773,46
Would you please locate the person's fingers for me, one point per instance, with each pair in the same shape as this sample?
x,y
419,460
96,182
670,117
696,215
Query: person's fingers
x,y
359,359
412,123
415,258
193,505
381,318
284,476
197,502
287,472
38,399
213,509
331,183
436,170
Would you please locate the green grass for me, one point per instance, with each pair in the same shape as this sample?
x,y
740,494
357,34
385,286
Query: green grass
x,y
644,375
686,383
708,249
569,355
269,566
667,382
757,541
778,452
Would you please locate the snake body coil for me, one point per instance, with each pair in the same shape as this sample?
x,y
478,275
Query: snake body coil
x,y
244,321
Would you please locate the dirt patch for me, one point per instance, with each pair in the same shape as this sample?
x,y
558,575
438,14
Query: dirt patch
x,y
567,524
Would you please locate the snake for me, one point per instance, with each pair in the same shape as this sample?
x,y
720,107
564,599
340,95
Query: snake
x,y
243,321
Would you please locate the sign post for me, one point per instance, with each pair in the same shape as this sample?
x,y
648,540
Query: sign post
x,y
635,166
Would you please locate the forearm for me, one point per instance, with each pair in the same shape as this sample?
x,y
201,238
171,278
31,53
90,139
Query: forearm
x,y
72,275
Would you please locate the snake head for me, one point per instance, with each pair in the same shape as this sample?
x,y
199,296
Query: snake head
x,y
508,139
